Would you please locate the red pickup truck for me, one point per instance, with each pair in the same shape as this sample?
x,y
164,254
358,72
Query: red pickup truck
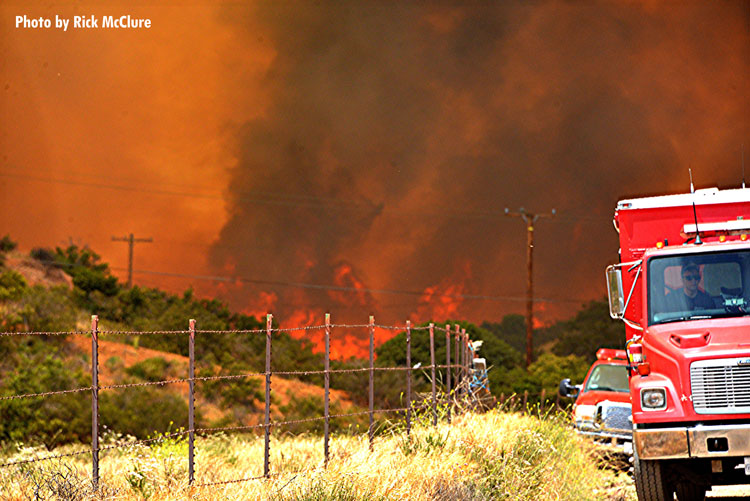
x,y
602,408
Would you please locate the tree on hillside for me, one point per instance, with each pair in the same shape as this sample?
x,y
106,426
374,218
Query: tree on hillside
x,y
6,245
591,329
84,266
511,329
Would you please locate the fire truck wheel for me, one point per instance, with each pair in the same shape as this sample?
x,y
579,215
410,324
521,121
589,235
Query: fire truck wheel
x,y
688,491
651,480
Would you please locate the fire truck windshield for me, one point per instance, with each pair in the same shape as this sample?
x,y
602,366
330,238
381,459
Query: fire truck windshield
x,y
697,286
608,377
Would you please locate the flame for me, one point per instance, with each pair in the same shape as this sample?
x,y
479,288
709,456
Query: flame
x,y
539,310
345,276
442,300
263,305
344,343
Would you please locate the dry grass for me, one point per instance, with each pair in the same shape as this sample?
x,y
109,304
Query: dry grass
x,y
495,455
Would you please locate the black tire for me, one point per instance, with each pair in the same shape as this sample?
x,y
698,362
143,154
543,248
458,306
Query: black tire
x,y
688,491
651,480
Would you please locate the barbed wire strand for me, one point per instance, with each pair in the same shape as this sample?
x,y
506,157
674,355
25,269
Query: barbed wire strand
x,y
45,458
231,331
248,479
141,333
34,333
148,383
46,394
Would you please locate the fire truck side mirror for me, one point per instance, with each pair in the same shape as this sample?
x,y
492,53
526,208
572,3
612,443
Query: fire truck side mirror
x,y
614,291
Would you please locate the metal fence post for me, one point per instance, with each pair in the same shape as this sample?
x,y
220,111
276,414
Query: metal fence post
x,y
458,365
432,366
448,368
327,387
267,420
95,401
408,377
191,404
371,430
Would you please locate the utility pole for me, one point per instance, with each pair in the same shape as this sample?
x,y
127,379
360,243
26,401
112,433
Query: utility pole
x,y
529,218
131,240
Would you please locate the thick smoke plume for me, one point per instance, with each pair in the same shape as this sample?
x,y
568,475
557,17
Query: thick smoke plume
x,y
396,134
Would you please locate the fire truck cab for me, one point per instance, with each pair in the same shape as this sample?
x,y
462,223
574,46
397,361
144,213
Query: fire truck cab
x,y
683,290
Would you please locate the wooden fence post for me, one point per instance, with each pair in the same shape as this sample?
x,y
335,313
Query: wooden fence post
x,y
408,378
327,389
467,377
448,369
371,430
458,364
191,404
95,401
267,418
432,366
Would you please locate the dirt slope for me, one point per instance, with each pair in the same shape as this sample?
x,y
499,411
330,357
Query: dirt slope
x,y
130,355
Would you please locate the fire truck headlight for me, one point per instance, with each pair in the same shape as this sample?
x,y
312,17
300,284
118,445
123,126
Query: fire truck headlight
x,y
653,399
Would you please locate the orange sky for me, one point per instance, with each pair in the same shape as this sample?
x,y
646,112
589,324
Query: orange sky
x,y
367,145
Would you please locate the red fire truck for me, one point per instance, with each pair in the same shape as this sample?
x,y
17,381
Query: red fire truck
x,y
682,287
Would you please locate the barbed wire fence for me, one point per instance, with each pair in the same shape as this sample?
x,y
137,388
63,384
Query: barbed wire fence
x,y
456,394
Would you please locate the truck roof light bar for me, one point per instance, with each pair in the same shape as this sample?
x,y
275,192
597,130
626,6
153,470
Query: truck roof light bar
x,y
732,227
610,354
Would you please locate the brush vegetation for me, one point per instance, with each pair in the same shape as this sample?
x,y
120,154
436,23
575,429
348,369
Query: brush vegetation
x,y
496,455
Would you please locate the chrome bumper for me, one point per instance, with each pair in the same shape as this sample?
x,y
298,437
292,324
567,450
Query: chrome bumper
x,y
693,442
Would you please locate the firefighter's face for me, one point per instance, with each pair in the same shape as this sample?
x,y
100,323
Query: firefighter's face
x,y
690,279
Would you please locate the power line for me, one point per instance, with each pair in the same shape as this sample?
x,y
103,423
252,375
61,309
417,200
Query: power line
x,y
301,201
302,285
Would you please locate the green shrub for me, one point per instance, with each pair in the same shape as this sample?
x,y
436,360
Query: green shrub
x,y
142,411
6,244
51,420
12,285
48,310
44,256
151,369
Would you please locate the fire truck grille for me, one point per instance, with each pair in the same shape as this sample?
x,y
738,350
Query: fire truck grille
x,y
721,386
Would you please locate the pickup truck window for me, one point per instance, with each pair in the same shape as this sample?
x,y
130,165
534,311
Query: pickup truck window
x,y
698,286
608,377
